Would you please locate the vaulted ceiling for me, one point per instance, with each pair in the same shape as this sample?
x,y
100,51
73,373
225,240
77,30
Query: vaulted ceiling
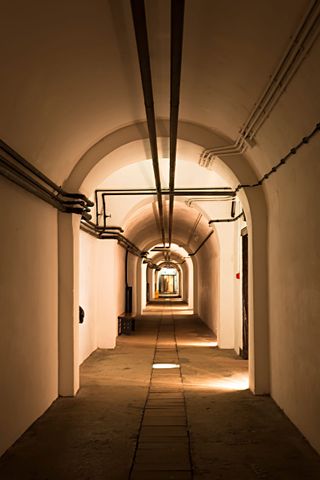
x,y
71,75
71,96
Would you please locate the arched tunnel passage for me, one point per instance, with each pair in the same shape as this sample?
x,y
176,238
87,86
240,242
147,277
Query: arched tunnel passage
x,y
186,296
213,253
72,116
168,281
207,259
171,262
230,172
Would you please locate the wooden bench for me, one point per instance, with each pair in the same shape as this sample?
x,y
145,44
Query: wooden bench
x,y
126,323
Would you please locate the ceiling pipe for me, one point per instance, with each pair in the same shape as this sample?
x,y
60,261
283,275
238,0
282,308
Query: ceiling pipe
x,y
25,169
226,220
194,228
99,228
114,234
221,198
301,43
140,27
201,244
182,192
19,171
177,14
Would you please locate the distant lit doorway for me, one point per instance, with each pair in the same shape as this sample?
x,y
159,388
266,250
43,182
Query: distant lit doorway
x,y
168,282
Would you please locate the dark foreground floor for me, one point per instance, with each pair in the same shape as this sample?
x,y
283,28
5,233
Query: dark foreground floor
x,y
197,422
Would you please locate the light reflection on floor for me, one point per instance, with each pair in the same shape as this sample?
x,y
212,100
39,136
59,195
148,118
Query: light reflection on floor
x,y
200,343
170,311
234,383
165,365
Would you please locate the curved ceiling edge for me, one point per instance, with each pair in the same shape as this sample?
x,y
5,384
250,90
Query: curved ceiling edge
x,y
193,133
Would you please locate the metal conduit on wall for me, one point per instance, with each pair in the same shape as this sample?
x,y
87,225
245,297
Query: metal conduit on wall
x,y
301,43
19,171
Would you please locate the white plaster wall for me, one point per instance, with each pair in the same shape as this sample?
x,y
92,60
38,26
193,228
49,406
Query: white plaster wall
x,y
183,283
132,280
188,274
110,290
293,248
294,283
28,305
68,303
149,280
227,279
138,294
196,282
143,285
225,327
153,280
88,341
238,315
207,281
102,292
119,259
219,291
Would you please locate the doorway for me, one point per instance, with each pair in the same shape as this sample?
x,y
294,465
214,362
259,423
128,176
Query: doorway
x,y
245,295
168,283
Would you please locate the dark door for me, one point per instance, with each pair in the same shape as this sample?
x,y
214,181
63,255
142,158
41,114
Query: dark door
x,y
245,303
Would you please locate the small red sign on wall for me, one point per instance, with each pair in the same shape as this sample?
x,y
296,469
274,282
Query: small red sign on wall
x,y
238,276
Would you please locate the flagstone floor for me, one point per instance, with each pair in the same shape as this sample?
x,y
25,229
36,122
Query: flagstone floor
x,y
166,403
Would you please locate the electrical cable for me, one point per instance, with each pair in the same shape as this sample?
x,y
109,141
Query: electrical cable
x,y
305,140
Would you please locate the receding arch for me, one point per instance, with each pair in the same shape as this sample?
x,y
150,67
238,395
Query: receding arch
x,y
236,169
195,134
